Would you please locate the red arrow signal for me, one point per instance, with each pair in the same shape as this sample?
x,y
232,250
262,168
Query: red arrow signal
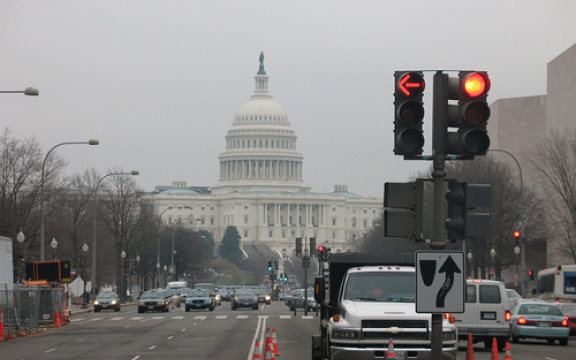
x,y
411,84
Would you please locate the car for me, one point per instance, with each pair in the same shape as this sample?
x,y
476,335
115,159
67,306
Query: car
x,y
513,297
216,295
264,297
224,295
569,309
183,294
199,299
296,300
486,313
154,300
174,297
107,300
538,319
244,298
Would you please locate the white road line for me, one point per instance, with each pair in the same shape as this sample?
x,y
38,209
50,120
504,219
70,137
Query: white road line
x,y
184,329
136,357
117,318
285,316
201,318
49,351
242,317
137,318
220,317
158,318
307,317
170,337
152,347
74,320
178,318
95,319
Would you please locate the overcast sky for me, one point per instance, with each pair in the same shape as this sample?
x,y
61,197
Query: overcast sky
x,y
158,82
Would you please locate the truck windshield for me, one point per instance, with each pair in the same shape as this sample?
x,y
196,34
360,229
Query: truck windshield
x,y
381,286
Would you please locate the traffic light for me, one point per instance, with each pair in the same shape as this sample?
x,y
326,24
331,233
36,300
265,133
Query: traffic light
x,y
531,274
463,199
276,264
471,114
408,112
321,253
281,278
313,246
270,268
298,246
306,261
517,237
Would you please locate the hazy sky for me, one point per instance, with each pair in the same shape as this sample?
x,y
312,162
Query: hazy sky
x,y
158,82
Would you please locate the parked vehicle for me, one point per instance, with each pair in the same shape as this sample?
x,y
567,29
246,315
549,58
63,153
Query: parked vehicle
x,y
154,300
107,300
199,299
296,300
486,313
539,320
244,298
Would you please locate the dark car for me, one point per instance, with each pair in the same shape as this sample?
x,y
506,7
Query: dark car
x,y
296,300
264,296
539,320
569,309
200,299
224,295
107,300
154,300
244,298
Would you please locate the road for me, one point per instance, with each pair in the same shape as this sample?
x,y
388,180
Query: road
x,y
221,334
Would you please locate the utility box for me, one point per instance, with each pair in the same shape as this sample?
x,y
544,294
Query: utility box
x,y
6,262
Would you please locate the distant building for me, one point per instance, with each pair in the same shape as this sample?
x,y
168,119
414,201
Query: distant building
x,y
261,190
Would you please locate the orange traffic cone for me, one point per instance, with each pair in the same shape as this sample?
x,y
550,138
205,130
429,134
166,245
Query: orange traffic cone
x,y
508,355
269,355
2,325
390,354
495,355
470,348
257,351
56,318
268,346
275,343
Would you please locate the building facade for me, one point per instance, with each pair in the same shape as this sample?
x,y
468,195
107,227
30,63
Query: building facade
x,y
261,189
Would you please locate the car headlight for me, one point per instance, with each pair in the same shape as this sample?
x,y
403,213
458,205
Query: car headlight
x,y
95,302
113,302
344,334
449,335
268,297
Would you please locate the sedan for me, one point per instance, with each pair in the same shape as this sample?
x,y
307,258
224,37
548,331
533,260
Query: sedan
x,y
107,300
569,309
200,299
154,300
539,320
244,298
265,297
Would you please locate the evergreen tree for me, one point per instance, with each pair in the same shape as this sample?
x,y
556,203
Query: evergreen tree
x,y
230,247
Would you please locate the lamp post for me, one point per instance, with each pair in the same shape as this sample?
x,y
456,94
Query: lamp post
x,y
54,245
469,256
493,255
20,238
122,257
172,268
517,251
138,272
158,272
93,272
28,91
42,180
85,296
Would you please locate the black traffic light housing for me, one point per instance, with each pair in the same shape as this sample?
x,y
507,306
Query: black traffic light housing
x,y
408,112
321,253
470,115
270,268
531,274
463,222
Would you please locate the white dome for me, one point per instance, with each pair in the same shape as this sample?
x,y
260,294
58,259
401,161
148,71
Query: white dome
x,y
261,112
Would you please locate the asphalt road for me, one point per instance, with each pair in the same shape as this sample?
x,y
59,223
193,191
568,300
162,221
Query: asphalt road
x,y
221,334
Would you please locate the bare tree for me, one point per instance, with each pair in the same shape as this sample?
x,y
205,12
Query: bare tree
x,y
554,162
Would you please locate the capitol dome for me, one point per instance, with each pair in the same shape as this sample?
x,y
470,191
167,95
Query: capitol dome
x,y
260,146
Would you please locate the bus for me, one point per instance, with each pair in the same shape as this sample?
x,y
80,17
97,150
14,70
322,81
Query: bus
x,y
558,283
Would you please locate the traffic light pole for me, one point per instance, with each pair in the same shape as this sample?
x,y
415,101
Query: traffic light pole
x,y
439,116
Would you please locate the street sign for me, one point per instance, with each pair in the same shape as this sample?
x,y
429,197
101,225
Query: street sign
x,y
440,281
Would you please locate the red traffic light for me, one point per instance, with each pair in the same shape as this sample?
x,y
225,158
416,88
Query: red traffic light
x,y
411,84
475,84
321,248
517,234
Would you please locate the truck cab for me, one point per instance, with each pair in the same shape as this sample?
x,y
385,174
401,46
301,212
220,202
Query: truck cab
x,y
369,306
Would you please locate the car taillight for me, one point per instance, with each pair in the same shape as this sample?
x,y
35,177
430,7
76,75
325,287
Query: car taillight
x,y
521,321
565,321
507,315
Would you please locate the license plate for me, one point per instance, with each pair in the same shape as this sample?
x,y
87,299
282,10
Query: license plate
x,y
104,306
246,303
399,355
488,316
544,323
197,305
150,307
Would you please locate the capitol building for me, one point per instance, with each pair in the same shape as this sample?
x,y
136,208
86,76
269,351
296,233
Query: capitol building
x,y
261,189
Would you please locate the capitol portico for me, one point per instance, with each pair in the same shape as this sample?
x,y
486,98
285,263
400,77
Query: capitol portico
x,y
261,190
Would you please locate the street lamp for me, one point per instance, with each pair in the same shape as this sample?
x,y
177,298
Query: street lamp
x,y
85,302
42,180
93,273
122,292
493,255
517,251
138,271
28,91
54,245
469,256
20,238
172,269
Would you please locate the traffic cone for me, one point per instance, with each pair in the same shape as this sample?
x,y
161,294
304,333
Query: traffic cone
x,y
390,354
494,350
56,318
269,355
268,346
275,343
257,351
470,348
508,355
2,325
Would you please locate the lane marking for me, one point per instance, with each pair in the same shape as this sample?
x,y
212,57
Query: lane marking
x,y
116,318
201,318
152,347
285,316
242,317
178,317
49,351
170,337
220,317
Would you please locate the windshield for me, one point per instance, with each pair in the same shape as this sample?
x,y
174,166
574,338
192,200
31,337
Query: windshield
x,y
245,292
152,295
199,293
381,286
106,295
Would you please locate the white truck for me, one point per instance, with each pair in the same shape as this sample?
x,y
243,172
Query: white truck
x,y
368,300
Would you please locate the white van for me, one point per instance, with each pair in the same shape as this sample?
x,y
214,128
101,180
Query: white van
x,y
486,313
177,285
